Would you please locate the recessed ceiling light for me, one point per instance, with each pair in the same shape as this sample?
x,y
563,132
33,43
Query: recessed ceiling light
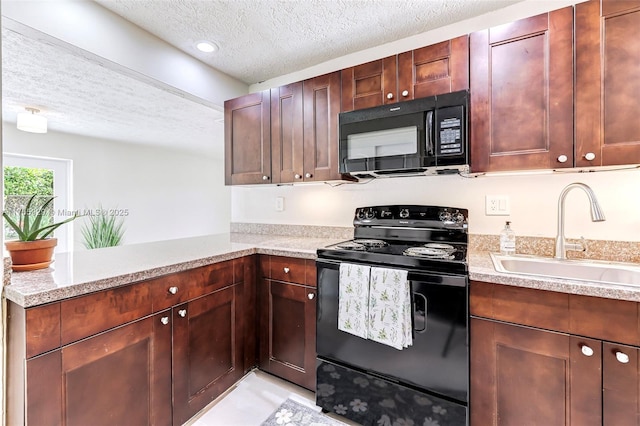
x,y
206,46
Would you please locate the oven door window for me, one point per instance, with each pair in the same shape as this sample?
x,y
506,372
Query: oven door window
x,y
383,143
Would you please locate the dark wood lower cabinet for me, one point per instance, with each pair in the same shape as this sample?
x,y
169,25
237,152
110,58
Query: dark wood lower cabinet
x,y
548,372
524,376
207,350
119,377
288,331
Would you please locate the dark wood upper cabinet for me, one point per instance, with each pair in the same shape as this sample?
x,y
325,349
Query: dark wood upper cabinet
x,y
431,70
247,139
287,144
521,78
607,82
321,107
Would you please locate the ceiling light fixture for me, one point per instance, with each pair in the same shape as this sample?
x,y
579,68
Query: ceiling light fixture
x,y
206,46
30,122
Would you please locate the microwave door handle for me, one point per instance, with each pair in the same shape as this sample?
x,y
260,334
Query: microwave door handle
x,y
429,130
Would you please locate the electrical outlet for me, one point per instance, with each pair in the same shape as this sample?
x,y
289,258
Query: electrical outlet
x,y
279,204
497,205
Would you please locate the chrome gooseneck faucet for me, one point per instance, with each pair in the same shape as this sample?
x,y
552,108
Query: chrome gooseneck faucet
x,y
596,216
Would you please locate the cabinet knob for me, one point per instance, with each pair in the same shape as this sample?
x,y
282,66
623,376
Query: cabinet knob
x,y
286,270
586,350
265,177
297,176
389,95
562,159
405,93
182,313
164,320
622,357
308,175
173,290
311,296
589,156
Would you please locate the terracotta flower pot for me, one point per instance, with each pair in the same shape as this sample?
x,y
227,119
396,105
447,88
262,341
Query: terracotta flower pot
x,y
31,255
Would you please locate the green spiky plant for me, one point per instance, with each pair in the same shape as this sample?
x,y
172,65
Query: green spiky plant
x,y
32,222
102,231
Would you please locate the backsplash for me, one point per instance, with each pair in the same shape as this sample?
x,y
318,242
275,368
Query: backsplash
x,y
618,251
308,231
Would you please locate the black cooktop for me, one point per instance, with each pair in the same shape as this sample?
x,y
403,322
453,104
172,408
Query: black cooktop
x,y
410,236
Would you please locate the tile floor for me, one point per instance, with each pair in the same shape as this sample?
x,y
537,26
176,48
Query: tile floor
x,y
251,401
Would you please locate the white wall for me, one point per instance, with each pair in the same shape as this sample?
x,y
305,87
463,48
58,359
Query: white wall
x,y
169,194
533,200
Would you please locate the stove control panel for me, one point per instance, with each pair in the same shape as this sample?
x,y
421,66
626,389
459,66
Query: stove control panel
x,y
412,216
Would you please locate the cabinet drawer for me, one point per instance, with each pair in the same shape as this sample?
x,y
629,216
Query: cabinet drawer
x,y
209,278
526,306
42,328
96,312
289,269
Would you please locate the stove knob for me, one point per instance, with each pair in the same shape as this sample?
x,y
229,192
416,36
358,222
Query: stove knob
x,y
360,214
445,216
370,214
404,213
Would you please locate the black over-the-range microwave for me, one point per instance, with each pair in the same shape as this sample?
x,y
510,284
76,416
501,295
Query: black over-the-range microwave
x,y
422,136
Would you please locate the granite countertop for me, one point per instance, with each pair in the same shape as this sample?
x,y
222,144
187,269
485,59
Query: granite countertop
x,y
82,272
481,269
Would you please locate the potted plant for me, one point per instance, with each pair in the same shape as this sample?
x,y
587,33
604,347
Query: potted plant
x,y
34,248
103,230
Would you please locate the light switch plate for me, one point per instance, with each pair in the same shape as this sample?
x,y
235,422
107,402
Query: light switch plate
x,y
497,205
279,204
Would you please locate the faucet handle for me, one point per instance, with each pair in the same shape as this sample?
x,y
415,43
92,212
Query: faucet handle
x,y
583,244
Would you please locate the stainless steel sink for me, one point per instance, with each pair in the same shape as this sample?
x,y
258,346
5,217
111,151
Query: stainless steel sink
x,y
584,270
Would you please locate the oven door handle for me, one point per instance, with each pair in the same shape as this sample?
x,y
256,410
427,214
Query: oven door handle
x,y
423,329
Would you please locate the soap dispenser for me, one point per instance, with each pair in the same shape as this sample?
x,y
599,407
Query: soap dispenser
x,y
507,240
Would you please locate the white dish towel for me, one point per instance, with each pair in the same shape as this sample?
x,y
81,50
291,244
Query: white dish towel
x,y
353,299
390,308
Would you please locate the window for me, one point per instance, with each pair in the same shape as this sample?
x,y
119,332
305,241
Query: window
x,y
45,174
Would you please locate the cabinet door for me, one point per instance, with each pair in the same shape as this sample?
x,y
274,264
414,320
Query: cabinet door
x,y
607,82
207,350
119,377
368,85
522,94
434,70
288,331
247,139
321,107
524,376
287,128
621,384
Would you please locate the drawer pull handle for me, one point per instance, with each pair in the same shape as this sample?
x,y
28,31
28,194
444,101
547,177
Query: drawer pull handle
x,y
286,270
586,350
173,290
389,95
308,175
311,296
164,320
622,357
182,313
297,176
405,93
562,159
590,156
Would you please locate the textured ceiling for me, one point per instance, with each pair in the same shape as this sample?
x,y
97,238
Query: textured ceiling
x,y
262,39
82,97
258,39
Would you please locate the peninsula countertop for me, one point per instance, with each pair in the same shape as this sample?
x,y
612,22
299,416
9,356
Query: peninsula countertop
x,y
83,272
